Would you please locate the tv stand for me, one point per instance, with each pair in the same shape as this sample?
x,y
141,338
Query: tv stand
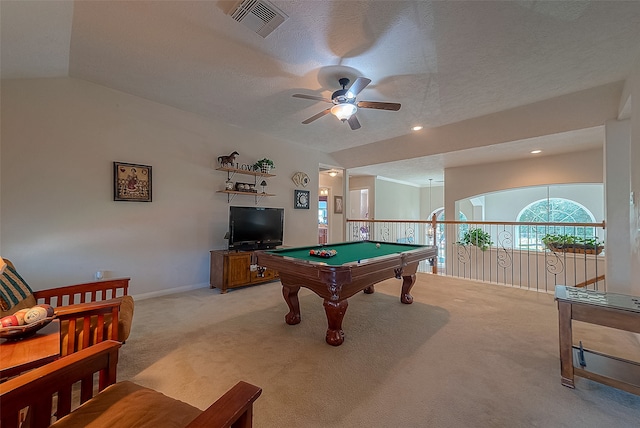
x,y
232,269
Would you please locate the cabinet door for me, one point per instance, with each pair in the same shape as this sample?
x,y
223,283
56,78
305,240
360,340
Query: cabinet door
x,y
264,276
238,269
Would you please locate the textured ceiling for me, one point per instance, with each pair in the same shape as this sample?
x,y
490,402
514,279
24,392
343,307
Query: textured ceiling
x,y
443,61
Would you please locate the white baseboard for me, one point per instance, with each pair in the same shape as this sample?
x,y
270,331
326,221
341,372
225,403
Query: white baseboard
x,y
167,291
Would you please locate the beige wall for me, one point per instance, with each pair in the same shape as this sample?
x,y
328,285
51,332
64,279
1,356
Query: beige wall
x,y
633,85
580,110
431,199
395,201
464,182
363,182
336,188
618,185
59,221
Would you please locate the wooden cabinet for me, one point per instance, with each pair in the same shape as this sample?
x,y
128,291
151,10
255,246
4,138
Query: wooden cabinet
x,y
231,269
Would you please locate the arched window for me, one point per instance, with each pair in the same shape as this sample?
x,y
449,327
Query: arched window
x,y
553,210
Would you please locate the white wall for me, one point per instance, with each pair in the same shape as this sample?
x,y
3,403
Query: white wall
x,y
59,221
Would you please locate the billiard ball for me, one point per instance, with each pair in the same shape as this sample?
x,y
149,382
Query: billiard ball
x,y
377,245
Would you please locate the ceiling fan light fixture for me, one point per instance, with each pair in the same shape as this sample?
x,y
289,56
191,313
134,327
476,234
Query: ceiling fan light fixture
x,y
344,102
344,111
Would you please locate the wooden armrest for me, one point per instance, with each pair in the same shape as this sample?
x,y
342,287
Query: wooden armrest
x,y
35,388
81,293
233,409
102,306
79,318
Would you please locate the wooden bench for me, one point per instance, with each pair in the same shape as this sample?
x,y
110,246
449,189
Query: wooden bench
x,y
86,311
108,403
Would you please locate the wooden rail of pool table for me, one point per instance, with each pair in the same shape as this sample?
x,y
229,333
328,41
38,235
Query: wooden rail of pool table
x,y
336,283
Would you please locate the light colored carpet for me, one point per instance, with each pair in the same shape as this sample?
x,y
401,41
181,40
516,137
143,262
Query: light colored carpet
x,y
463,354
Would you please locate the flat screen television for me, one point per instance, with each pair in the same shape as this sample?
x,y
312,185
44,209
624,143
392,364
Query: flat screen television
x,y
255,228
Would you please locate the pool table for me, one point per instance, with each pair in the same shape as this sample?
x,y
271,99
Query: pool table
x,y
356,266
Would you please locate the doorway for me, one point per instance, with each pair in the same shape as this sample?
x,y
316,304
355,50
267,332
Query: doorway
x,y
359,208
323,218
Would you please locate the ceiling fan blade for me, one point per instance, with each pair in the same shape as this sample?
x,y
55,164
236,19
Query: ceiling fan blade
x,y
353,122
359,85
379,105
317,116
311,97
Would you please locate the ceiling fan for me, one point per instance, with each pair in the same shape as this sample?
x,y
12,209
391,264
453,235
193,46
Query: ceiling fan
x,y
344,102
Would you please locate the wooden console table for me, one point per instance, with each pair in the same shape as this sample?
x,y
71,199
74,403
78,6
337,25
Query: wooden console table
x,y
18,356
606,309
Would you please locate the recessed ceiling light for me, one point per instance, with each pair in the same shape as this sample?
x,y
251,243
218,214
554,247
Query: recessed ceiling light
x,y
535,152
416,128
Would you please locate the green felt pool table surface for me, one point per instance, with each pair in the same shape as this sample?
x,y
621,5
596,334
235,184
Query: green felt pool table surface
x,y
347,252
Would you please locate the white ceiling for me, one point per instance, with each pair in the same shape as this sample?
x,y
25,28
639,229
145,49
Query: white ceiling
x,y
444,61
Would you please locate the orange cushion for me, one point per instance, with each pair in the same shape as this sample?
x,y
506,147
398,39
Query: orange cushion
x,y
125,318
126,404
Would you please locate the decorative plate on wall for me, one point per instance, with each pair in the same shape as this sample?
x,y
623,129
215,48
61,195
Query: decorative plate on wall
x,y
300,179
301,199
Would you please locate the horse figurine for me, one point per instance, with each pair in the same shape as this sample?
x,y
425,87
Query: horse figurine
x,y
228,160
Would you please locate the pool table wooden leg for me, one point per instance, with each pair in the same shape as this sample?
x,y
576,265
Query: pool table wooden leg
x,y
407,284
335,313
291,297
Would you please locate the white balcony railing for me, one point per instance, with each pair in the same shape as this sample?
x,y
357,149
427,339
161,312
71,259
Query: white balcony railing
x,y
514,253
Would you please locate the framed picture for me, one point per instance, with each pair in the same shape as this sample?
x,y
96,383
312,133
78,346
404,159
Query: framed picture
x,y
301,199
337,205
131,182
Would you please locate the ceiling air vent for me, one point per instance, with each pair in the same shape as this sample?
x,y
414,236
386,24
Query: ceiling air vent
x,y
259,15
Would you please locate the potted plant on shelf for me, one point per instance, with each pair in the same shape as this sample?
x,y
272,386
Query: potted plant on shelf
x,y
572,244
264,165
477,237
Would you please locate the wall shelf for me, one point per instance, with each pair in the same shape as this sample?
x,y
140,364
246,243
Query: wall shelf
x,y
233,193
232,171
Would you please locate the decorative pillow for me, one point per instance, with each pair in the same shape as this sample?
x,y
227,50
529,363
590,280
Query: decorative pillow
x,y
15,294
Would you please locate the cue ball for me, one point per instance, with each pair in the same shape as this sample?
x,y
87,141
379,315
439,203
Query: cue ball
x,y
377,245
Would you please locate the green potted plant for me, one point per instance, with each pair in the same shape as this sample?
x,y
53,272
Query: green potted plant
x,y
477,237
572,244
264,165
